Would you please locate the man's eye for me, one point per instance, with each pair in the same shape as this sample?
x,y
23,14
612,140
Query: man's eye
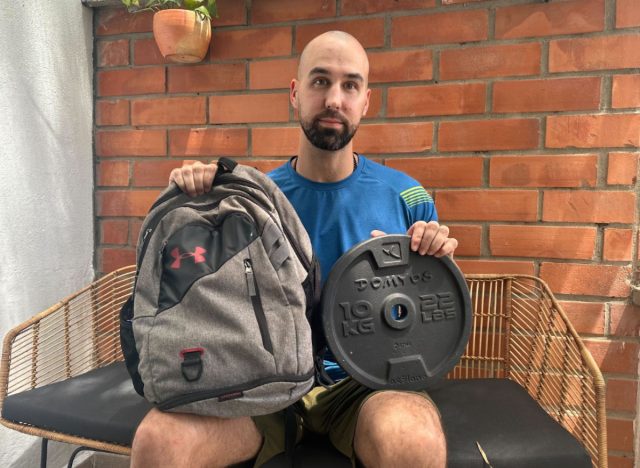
x,y
351,86
320,82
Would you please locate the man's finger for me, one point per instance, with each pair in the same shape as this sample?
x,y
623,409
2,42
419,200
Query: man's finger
x,y
416,231
198,176
189,185
448,248
377,233
176,176
438,241
209,174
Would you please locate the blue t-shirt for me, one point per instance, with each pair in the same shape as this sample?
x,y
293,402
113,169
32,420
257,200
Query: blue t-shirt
x,y
338,215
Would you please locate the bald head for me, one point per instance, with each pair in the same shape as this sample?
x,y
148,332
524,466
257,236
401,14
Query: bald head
x,y
334,44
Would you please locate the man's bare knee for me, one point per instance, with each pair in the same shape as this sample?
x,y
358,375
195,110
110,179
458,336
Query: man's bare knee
x,y
399,429
174,439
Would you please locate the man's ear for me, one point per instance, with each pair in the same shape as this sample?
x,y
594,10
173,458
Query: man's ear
x,y
366,105
293,93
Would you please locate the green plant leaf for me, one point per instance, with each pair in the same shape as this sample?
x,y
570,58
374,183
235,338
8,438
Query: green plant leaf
x,y
212,6
203,12
198,6
132,5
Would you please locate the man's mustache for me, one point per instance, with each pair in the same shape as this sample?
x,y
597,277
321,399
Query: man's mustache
x,y
332,115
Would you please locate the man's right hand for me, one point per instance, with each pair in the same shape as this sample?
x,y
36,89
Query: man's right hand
x,y
194,179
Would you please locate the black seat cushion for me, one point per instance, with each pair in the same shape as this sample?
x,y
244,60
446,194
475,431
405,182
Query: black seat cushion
x,y
512,429
510,426
100,405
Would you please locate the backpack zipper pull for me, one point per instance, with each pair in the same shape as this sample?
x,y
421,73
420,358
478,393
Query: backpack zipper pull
x,y
251,281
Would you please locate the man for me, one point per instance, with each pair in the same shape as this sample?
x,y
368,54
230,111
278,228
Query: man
x,y
342,198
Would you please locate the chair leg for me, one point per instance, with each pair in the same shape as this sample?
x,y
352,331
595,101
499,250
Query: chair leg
x,y
76,452
43,453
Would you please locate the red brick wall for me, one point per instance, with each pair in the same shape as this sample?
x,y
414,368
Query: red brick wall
x,y
521,117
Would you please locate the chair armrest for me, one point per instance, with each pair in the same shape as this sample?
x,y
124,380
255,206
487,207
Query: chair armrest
x,y
78,334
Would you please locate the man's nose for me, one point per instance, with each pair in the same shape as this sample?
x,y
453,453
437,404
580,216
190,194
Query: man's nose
x,y
334,97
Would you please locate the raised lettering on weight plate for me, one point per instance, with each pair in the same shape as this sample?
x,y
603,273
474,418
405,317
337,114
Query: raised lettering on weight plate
x,y
357,319
437,307
391,281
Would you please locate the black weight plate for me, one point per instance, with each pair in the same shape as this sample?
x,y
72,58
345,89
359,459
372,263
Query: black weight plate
x,y
394,318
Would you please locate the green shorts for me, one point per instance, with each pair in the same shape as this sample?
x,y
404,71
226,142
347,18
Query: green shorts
x,y
329,411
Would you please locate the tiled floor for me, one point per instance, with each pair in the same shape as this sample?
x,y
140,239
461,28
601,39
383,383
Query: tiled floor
x,y
104,460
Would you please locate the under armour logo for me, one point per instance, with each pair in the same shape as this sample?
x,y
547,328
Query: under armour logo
x,y
197,255
393,251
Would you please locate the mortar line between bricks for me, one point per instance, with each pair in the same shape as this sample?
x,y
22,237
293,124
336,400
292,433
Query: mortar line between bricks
x,y
606,93
294,35
468,80
598,251
488,104
435,138
489,41
95,257
607,319
609,15
383,107
635,246
540,205
544,59
619,376
613,339
247,78
419,119
248,17
480,43
486,171
418,155
528,77
491,26
602,159
623,377
387,32
485,248
542,137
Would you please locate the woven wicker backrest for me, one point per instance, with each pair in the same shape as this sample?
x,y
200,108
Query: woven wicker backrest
x,y
74,336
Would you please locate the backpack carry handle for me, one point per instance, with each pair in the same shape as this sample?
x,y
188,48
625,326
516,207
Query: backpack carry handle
x,y
225,166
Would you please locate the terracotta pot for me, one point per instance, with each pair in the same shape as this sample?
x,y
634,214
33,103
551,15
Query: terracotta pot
x,y
181,35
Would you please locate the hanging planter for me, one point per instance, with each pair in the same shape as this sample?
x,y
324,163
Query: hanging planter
x,y
182,35
181,28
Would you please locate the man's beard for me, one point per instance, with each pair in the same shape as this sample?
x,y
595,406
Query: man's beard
x,y
329,139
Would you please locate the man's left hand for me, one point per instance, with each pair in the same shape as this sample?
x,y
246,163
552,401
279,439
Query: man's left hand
x,y
429,238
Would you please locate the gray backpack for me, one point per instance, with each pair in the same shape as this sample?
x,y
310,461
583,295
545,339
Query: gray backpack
x,y
219,322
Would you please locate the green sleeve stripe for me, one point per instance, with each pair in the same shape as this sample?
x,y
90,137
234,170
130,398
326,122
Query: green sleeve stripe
x,y
418,196
418,201
411,191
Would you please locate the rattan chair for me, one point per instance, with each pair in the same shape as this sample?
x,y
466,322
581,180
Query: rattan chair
x,y
520,333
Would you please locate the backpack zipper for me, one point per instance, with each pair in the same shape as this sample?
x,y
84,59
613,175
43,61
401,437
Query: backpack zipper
x,y
256,302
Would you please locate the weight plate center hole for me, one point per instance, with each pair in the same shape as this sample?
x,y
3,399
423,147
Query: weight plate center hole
x,y
399,312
